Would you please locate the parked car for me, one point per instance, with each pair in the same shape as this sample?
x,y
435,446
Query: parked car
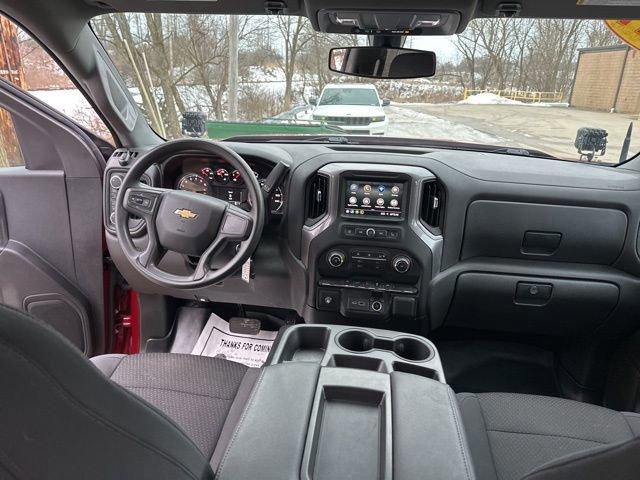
x,y
357,108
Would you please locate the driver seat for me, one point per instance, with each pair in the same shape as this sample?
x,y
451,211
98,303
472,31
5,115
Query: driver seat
x,y
64,416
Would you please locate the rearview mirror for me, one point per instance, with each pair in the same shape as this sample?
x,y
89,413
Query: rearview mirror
x,y
382,62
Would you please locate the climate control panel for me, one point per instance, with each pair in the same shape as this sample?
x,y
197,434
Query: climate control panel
x,y
376,283
349,260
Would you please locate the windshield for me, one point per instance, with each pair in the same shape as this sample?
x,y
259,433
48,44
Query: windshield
x,y
349,96
568,88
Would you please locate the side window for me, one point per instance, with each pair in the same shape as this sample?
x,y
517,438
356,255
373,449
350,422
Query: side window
x,y
10,154
27,65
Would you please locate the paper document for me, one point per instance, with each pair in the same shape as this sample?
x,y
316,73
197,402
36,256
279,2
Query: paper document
x,y
217,341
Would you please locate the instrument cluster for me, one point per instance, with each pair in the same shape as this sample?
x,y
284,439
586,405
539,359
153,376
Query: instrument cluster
x,y
214,177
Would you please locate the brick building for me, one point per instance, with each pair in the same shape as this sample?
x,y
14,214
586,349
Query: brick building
x,y
606,79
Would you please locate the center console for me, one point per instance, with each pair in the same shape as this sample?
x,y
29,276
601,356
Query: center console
x,y
341,402
372,257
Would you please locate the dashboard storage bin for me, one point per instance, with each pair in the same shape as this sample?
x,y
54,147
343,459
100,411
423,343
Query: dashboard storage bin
x,y
512,303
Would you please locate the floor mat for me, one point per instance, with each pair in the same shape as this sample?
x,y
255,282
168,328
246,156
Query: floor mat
x,y
216,340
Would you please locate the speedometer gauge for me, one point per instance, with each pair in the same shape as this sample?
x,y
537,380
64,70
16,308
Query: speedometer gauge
x,y
192,182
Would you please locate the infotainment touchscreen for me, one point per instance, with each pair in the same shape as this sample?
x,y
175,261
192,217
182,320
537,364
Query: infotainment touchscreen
x,y
370,198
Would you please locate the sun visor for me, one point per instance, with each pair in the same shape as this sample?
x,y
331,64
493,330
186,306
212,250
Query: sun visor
x,y
388,22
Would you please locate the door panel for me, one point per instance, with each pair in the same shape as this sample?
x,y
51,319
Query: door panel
x,y
52,259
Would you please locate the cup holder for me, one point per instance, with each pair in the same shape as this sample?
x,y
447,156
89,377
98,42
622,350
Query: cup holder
x,y
407,348
411,349
356,341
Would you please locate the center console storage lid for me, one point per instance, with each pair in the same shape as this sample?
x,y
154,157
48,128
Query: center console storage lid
x,y
269,439
428,438
342,402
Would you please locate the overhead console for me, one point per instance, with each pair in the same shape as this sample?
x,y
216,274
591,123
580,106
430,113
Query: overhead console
x,y
388,22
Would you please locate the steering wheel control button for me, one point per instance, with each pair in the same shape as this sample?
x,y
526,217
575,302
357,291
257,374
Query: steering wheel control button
x,y
235,225
141,202
336,258
401,264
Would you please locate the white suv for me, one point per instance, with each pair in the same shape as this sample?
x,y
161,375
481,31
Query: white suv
x,y
356,108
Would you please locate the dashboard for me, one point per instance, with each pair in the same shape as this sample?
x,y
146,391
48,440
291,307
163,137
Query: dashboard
x,y
417,239
214,177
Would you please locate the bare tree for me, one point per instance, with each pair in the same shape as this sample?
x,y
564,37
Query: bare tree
x,y
233,34
600,35
468,44
162,67
295,32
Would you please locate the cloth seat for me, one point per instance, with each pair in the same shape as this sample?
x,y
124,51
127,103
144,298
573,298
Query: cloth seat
x,y
195,392
148,417
513,435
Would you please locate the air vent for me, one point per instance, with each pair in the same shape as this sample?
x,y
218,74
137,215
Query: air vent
x,y
317,198
433,201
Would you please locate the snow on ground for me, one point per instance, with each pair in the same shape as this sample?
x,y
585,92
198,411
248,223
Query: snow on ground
x,y
487,98
403,122
69,102
409,123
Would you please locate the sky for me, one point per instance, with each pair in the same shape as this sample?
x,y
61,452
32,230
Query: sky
x,y
442,45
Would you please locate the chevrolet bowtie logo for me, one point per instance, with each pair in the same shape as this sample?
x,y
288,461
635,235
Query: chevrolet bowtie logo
x,y
184,213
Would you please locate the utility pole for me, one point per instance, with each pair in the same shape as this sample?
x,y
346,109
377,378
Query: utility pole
x,y
233,31
11,69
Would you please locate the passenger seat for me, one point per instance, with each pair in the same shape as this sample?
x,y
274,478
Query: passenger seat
x,y
516,436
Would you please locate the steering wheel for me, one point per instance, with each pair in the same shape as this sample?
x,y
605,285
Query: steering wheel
x,y
188,223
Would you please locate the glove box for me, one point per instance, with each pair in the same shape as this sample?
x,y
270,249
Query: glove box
x,y
539,305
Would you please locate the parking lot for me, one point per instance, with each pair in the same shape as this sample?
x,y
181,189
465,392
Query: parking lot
x,y
551,129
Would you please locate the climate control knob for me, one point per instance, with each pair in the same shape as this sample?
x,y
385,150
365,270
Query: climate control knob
x,y
401,264
336,258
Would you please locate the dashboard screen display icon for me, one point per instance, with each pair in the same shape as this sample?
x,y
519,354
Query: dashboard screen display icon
x,y
372,198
